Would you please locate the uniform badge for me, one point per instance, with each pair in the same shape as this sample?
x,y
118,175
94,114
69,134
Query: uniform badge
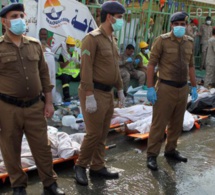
x,y
87,52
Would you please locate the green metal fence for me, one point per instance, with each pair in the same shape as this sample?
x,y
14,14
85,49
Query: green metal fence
x,y
145,20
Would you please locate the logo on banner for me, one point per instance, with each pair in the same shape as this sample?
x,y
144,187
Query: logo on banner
x,y
53,10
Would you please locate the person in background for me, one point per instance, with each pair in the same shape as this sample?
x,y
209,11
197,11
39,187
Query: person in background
x,y
50,59
210,62
192,28
24,78
98,17
143,56
205,33
99,74
69,69
127,68
173,54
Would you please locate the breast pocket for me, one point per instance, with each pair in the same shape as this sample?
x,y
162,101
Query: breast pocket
x,y
171,55
106,53
9,62
33,62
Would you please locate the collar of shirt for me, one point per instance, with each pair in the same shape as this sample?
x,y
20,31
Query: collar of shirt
x,y
8,40
174,38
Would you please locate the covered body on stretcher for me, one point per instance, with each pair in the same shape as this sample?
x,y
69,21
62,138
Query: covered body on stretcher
x,y
141,118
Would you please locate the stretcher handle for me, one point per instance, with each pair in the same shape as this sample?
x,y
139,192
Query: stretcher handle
x,y
110,146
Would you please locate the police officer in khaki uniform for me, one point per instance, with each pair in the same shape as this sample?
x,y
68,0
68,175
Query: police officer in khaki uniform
x,y
99,74
210,62
24,76
173,52
128,66
205,33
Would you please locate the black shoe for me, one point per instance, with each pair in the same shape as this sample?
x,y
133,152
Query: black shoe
x,y
152,163
53,189
19,191
80,175
175,155
103,172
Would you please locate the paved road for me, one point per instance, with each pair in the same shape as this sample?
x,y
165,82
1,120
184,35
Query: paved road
x,y
196,177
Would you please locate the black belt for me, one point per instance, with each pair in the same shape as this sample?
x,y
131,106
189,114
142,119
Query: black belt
x,y
174,83
102,87
20,103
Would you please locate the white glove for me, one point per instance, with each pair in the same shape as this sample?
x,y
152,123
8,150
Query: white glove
x,y
64,52
91,105
74,60
121,98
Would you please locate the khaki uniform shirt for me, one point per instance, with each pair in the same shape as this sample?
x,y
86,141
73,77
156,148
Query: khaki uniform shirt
x,y
99,61
173,58
210,59
23,71
205,33
127,65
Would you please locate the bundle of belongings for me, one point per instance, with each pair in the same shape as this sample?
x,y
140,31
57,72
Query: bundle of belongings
x,y
205,104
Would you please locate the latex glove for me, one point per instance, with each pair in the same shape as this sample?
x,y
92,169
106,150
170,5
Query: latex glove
x,y
194,94
74,60
121,97
136,61
151,95
129,59
91,105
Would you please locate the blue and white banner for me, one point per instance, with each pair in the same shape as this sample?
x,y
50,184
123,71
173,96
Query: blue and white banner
x,y
65,18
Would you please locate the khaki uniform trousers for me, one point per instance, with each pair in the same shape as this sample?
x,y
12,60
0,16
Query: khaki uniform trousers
x,y
168,111
14,122
92,150
127,75
210,75
203,55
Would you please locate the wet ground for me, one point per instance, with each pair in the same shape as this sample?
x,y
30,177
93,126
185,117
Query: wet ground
x,y
196,177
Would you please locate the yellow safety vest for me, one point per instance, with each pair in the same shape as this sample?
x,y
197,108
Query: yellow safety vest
x,y
70,69
145,61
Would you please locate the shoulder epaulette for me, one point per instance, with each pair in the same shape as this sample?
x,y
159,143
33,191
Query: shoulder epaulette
x,y
31,39
165,36
95,32
189,38
1,38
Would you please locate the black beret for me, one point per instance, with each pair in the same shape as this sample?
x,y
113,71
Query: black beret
x,y
208,18
12,7
113,7
179,16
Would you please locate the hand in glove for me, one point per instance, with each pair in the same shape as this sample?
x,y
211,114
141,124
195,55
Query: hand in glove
x,y
151,95
129,59
136,61
91,105
194,94
121,98
74,60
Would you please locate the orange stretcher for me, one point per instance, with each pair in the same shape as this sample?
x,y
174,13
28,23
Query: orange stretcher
x,y
142,136
3,176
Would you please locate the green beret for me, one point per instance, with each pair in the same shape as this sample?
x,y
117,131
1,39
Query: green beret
x,y
113,7
12,7
179,16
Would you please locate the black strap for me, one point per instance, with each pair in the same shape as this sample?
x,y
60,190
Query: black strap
x,y
20,103
174,83
102,87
